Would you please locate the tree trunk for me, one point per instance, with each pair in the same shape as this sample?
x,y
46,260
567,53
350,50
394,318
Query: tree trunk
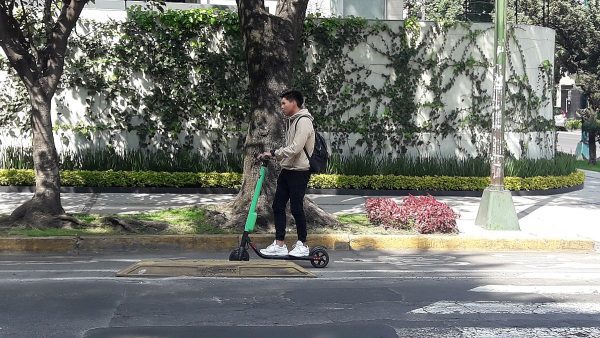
x,y
592,146
40,68
39,211
271,44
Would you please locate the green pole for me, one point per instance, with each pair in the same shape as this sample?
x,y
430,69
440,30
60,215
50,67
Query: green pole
x,y
252,215
496,210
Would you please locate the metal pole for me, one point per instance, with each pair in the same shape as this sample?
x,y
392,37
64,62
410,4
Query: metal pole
x,y
497,161
546,11
496,209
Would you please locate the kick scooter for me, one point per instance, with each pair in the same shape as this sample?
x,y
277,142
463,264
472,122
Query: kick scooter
x,y
318,256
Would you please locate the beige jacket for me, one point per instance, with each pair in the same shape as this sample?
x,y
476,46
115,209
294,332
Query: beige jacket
x,y
300,133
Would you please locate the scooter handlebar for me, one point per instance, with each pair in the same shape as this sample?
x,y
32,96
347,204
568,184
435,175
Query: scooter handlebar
x,y
264,159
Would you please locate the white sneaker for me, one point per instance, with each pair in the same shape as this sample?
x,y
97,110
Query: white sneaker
x,y
275,250
299,250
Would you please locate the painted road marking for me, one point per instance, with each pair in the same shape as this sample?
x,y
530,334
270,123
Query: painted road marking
x,y
484,307
541,289
499,332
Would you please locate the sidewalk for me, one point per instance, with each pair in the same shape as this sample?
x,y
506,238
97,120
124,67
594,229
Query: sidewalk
x,y
569,216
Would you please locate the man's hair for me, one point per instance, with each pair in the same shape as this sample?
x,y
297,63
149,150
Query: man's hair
x,y
293,95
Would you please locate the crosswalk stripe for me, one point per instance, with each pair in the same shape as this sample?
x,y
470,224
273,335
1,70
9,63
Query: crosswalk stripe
x,y
541,289
493,332
479,307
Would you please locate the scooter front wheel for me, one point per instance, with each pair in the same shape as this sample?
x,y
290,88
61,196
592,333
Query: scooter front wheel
x,y
320,257
239,254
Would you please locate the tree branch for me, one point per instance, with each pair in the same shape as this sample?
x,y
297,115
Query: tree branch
x,y
249,8
8,9
251,5
54,56
15,45
295,12
47,20
24,22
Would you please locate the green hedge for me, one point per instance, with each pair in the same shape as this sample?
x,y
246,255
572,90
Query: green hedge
x,y
442,183
127,179
233,180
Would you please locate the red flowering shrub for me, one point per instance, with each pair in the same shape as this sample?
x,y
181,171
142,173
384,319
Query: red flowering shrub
x,y
383,211
427,215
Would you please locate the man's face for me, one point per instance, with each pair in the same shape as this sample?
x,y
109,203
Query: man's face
x,y
288,108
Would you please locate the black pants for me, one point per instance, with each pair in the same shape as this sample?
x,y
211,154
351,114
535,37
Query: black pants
x,y
291,185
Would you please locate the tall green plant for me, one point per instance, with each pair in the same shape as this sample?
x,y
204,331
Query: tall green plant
x,y
191,161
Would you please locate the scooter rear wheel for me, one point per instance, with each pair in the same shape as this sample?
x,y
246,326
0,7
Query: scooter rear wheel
x,y
320,257
236,255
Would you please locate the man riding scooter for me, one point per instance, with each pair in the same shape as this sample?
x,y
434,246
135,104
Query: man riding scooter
x,y
294,176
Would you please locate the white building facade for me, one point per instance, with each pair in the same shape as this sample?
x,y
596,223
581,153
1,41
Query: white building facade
x,y
371,9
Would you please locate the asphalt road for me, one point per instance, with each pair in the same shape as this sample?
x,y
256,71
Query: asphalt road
x,y
567,141
360,294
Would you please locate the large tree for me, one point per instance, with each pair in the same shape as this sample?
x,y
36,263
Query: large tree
x,y
577,27
33,36
570,21
588,76
271,44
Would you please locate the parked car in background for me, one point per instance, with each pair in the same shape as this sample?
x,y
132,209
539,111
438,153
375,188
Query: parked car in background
x,y
560,120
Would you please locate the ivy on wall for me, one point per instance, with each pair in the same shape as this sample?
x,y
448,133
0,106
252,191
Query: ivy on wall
x,y
173,76
335,83
390,113
164,75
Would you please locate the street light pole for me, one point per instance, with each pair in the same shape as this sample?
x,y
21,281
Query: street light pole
x,y
496,209
497,162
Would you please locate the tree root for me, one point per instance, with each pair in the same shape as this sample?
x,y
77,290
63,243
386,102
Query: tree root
x,y
135,226
39,220
71,222
225,216
37,213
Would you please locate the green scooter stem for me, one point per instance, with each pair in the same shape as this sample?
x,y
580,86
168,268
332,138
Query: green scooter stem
x,y
252,215
318,256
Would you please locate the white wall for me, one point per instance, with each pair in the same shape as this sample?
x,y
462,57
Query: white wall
x,y
537,43
394,8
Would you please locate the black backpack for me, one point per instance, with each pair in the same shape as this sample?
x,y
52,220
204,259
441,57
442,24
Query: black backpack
x,y
318,160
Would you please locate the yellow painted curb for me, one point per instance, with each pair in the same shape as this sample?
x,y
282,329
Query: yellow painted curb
x,y
433,242
174,242
37,244
333,242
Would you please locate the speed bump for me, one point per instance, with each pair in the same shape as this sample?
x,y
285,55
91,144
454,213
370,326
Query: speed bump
x,y
214,268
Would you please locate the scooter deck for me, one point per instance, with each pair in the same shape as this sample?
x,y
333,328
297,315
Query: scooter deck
x,y
284,257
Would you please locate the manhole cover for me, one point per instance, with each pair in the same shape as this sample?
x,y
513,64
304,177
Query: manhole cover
x,y
214,268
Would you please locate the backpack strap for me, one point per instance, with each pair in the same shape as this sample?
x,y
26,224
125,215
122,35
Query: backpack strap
x,y
296,125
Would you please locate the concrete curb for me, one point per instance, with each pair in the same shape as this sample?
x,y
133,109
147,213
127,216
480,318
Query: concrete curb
x,y
206,243
360,192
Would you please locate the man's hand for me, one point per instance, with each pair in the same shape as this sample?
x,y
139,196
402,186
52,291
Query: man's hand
x,y
264,156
